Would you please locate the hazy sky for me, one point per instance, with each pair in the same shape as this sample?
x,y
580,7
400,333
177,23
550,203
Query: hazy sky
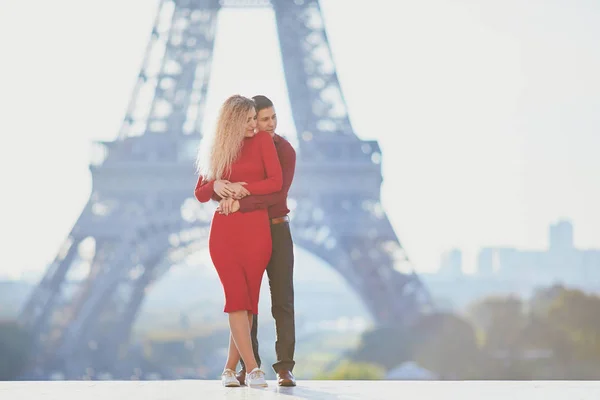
x,y
486,111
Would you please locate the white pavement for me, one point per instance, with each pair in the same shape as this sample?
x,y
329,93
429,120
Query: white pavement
x,y
318,390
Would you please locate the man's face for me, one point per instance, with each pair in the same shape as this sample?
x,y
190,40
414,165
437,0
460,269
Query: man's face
x,y
267,120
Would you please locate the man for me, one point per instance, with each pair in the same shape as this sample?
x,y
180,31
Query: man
x,y
281,266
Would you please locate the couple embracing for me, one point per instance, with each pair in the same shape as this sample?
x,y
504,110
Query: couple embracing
x,y
249,172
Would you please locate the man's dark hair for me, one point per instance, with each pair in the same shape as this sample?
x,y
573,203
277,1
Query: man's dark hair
x,y
262,102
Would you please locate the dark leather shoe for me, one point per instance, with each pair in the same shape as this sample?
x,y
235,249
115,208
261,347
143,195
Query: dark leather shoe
x,y
241,376
286,378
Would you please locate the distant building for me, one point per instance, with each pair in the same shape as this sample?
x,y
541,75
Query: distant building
x,y
560,262
561,236
451,263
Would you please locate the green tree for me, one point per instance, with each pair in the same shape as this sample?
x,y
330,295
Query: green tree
x,y
387,346
353,371
502,320
543,299
447,345
577,315
14,350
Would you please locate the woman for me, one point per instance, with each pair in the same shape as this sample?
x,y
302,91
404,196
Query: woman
x,y
240,243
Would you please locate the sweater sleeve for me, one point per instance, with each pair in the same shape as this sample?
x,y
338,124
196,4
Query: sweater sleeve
x,y
287,160
204,190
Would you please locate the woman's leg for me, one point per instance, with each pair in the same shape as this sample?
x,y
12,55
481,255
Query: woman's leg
x,y
239,324
233,356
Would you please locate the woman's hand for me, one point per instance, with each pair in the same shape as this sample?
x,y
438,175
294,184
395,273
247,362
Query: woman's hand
x,y
228,206
221,187
239,191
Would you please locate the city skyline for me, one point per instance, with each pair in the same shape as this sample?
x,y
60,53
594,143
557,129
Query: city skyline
x,y
570,264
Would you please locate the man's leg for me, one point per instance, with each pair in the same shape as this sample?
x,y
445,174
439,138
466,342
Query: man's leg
x,y
281,283
254,334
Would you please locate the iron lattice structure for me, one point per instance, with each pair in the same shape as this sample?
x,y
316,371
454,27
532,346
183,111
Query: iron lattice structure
x,y
142,217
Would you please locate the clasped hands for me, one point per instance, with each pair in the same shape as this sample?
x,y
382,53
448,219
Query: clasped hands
x,y
230,193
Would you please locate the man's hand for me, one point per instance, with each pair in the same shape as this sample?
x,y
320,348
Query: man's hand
x,y
239,191
228,206
221,187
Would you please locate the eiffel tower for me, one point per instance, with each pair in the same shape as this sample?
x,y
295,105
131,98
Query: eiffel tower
x,y
142,217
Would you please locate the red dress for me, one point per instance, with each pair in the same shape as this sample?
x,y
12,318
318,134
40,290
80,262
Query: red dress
x,y
240,243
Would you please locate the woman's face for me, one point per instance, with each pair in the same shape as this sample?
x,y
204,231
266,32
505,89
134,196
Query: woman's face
x,y
250,123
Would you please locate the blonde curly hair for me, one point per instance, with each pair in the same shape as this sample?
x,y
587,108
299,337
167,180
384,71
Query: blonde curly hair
x,y
228,139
